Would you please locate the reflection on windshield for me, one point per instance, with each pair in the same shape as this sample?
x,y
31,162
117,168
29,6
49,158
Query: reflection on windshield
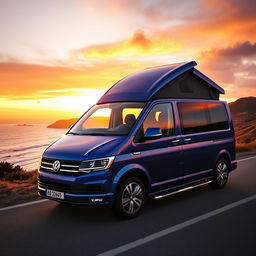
x,y
108,119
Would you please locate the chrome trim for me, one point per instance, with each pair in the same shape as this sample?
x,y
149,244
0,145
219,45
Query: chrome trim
x,y
181,190
46,163
41,188
65,170
91,169
136,153
66,165
155,135
56,166
175,141
48,168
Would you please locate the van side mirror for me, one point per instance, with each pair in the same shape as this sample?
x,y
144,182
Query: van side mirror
x,y
153,133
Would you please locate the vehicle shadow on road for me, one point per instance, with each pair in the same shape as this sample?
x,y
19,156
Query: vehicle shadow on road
x,y
189,203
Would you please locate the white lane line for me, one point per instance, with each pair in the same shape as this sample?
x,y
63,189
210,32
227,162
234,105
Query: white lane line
x,y
175,228
244,159
21,205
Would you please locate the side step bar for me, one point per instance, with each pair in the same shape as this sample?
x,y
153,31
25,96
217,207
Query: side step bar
x,y
181,190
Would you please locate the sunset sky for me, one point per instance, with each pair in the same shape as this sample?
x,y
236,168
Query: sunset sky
x,y
57,57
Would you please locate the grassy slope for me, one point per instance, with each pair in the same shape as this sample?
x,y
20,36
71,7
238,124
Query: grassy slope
x,y
16,184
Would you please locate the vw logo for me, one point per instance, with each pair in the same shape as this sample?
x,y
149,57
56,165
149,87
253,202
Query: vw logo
x,y
56,166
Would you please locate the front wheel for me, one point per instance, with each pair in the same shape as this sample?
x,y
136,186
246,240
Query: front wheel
x,y
130,198
221,173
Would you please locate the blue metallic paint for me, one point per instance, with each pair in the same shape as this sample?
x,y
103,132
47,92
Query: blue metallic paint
x,y
126,170
77,147
143,85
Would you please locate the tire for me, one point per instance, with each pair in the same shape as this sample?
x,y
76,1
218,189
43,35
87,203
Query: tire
x,y
221,174
130,198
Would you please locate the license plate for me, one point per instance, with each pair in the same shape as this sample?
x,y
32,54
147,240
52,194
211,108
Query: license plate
x,y
54,194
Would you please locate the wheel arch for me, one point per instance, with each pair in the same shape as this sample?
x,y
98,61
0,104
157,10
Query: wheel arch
x,y
133,170
225,155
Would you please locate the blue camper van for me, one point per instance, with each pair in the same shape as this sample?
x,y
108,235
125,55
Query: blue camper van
x,y
154,133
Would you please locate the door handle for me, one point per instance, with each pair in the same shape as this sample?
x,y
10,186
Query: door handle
x,y
187,139
175,141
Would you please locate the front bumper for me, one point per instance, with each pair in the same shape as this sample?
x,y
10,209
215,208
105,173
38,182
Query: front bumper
x,y
88,190
83,199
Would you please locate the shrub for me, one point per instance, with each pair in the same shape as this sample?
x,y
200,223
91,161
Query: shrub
x,y
9,172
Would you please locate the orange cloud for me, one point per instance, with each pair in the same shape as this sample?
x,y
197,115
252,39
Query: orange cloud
x,y
233,67
27,81
137,45
215,23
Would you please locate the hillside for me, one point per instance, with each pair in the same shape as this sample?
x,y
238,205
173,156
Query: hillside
x,y
243,105
63,124
244,118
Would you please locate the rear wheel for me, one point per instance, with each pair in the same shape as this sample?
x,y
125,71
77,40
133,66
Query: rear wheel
x,y
130,198
221,174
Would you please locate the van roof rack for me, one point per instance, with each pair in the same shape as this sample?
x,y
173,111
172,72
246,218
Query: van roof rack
x,y
178,80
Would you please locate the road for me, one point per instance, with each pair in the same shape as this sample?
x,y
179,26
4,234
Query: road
x,y
197,222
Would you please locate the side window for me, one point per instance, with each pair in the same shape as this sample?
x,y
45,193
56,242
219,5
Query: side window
x,y
193,117
161,116
218,116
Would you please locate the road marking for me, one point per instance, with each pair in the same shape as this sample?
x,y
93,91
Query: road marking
x,y
21,205
244,159
175,228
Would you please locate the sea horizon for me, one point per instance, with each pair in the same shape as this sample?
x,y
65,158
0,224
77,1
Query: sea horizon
x,y
22,143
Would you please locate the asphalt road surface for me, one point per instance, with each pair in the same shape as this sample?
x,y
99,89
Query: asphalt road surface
x,y
197,222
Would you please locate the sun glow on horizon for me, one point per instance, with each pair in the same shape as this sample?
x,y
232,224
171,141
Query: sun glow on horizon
x,y
50,109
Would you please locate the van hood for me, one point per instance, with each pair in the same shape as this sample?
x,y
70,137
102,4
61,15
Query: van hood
x,y
82,147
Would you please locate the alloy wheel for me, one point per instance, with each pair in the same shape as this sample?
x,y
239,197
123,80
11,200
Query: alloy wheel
x,y
222,173
132,198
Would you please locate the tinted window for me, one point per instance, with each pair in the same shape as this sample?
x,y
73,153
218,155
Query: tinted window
x,y
202,117
193,117
161,116
218,116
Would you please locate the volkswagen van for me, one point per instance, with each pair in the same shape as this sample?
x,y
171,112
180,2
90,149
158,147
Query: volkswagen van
x,y
154,133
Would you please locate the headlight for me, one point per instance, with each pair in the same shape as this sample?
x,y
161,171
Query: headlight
x,y
96,164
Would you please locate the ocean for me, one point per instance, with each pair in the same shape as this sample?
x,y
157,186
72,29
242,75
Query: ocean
x,y
23,145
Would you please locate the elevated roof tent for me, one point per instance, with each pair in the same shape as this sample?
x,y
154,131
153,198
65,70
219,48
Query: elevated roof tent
x,y
179,80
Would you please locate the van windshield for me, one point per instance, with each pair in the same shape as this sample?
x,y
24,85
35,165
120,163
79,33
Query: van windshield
x,y
109,119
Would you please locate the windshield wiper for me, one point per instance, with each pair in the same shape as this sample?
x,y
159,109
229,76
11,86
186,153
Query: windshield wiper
x,y
74,133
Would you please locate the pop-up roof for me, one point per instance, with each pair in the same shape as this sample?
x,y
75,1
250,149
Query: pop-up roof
x,y
180,80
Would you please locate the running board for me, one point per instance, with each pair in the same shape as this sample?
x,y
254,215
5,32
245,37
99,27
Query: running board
x,y
181,190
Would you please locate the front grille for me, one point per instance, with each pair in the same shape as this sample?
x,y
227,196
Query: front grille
x,y
67,167
72,188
